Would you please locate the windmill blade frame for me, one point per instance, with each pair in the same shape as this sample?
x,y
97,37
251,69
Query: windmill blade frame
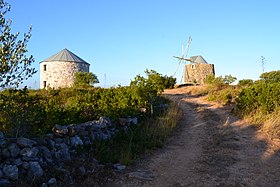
x,y
183,58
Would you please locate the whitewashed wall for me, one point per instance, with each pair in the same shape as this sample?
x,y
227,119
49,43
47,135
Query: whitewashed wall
x,y
60,74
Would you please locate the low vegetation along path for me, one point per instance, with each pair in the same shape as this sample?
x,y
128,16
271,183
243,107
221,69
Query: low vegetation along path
x,y
210,147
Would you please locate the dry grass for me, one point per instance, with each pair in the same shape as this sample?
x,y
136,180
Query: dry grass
x,y
272,125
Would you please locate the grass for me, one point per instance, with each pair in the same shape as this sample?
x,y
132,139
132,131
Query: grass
x,y
268,123
227,95
126,146
272,124
221,93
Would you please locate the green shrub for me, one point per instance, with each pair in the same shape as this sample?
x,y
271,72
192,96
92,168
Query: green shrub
x,y
21,112
271,77
211,79
264,97
85,79
36,112
245,82
227,95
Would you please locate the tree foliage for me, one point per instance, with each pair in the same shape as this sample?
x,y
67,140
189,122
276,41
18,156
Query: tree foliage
x,y
261,96
271,77
14,63
85,79
228,79
245,82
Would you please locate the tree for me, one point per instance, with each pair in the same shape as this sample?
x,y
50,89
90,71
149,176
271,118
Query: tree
x,y
245,82
85,79
14,63
271,77
211,79
148,89
229,79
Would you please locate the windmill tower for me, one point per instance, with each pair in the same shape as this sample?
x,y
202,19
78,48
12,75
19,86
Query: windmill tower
x,y
197,70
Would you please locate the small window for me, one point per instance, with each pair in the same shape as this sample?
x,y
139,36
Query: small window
x,y
45,67
193,66
45,84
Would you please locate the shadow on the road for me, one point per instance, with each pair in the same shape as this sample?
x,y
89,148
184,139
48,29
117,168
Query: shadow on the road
x,y
233,153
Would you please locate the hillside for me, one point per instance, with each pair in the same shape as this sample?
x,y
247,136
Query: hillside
x,y
211,147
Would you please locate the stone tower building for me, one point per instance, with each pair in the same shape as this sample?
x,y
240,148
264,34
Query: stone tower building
x,y
197,71
58,71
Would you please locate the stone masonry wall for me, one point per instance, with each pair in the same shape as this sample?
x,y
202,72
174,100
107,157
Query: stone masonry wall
x,y
196,73
23,158
59,74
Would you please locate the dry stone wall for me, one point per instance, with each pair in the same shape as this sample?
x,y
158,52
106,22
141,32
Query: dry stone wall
x,y
58,74
28,158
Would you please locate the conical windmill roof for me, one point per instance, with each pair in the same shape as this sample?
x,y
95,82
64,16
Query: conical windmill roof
x,y
65,56
198,59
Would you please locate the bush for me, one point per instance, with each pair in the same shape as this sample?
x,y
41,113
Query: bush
x,y
245,82
20,112
36,112
224,96
261,96
85,79
211,79
271,77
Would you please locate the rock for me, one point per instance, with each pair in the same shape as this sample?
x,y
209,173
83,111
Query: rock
x,y
25,142
75,141
17,162
2,138
104,122
35,170
4,182
96,127
10,172
59,140
63,152
46,154
104,136
58,129
1,174
25,165
29,152
123,121
14,150
49,136
44,185
86,141
82,170
51,144
52,182
133,121
71,130
119,166
6,153
26,158
142,175
143,110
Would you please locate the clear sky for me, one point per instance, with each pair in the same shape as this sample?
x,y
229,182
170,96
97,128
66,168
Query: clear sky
x,y
121,38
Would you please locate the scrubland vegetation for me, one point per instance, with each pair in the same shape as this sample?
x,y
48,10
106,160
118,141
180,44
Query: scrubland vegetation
x,y
32,113
256,101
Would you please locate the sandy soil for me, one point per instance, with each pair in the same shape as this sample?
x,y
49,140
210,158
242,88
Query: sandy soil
x,y
211,147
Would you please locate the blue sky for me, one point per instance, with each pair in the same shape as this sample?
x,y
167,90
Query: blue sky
x,y
121,38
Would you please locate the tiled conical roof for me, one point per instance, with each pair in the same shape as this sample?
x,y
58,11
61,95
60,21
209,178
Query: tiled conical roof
x,y
198,59
66,56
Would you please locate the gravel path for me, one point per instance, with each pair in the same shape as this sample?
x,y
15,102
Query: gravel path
x,y
210,148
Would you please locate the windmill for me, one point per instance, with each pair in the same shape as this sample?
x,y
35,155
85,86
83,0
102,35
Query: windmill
x,y
183,58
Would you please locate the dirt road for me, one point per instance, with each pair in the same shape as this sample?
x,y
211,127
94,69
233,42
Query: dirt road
x,y
211,147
